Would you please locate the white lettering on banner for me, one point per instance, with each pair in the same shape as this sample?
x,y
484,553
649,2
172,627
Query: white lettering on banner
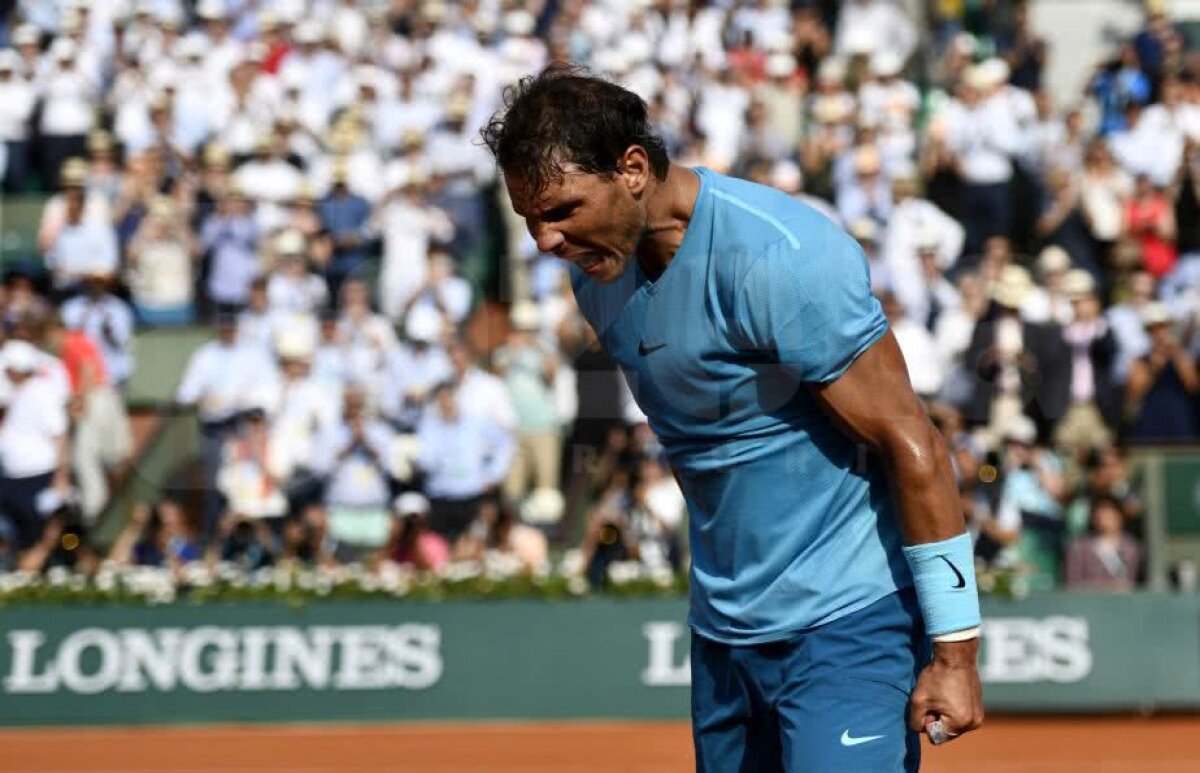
x,y
216,658
662,670
1015,650
1025,649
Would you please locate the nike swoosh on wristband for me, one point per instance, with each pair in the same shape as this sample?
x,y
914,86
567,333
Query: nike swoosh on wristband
x,y
644,350
848,740
962,581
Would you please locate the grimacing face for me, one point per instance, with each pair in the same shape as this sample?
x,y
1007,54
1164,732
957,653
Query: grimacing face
x,y
591,220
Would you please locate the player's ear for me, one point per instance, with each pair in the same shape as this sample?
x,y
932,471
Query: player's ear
x,y
634,169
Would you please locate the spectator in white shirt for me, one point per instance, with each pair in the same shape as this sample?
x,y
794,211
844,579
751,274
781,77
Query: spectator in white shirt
x,y
292,287
479,393
219,377
81,245
445,296
34,444
107,320
866,26
355,457
17,99
69,97
926,370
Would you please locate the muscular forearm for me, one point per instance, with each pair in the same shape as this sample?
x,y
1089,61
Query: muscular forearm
x,y
924,492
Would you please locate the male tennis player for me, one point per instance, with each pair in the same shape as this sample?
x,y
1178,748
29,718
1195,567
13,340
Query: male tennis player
x,y
745,324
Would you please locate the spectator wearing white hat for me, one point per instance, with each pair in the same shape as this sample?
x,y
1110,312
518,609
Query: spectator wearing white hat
x,y
782,96
868,193
81,245
915,222
345,216
1163,383
17,100
444,297
292,288
34,442
985,137
409,225
1047,301
891,102
1095,406
414,368
866,232
1020,367
69,96
412,543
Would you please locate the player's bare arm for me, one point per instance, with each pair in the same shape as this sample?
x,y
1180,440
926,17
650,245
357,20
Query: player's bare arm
x,y
873,401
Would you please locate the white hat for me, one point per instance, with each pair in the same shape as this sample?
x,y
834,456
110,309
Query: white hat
x,y
885,64
211,9
832,69
410,502
864,229
1156,313
1020,429
1012,287
994,71
63,49
1078,283
787,176
524,316
519,22
780,65
19,356
191,46
423,325
295,343
26,35
543,506
307,32
1053,258
289,242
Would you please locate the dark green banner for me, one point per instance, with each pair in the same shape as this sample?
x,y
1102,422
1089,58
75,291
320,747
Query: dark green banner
x,y
510,659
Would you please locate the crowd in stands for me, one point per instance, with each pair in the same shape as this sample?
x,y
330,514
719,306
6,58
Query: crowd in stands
x,y
306,177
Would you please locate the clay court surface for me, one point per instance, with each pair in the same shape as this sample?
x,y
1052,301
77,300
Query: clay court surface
x,y
1105,745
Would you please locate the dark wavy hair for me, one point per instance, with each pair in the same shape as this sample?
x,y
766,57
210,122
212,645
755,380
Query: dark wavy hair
x,y
567,115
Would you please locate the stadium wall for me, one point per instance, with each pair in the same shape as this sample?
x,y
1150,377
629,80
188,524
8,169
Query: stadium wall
x,y
356,661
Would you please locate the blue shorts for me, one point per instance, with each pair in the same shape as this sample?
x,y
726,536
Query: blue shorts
x,y
833,698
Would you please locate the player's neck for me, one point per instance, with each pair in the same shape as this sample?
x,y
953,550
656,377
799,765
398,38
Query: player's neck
x,y
668,211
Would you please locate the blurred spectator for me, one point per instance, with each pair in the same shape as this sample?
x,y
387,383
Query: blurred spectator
x,y
229,238
1150,221
412,543
1107,558
157,535
1095,400
355,457
1125,318
344,217
926,370
159,267
102,443
17,101
497,531
1162,386
34,443
529,368
464,456
82,242
253,470
218,377
107,320
292,287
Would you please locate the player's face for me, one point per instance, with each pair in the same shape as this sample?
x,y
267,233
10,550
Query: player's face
x,y
587,219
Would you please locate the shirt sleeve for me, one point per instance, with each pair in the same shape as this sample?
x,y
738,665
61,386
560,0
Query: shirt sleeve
x,y
810,308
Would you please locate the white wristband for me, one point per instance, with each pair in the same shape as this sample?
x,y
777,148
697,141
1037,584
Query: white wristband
x,y
964,635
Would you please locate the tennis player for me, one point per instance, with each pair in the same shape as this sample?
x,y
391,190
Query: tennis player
x,y
828,546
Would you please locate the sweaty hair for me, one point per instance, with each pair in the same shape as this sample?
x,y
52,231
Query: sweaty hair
x,y
566,115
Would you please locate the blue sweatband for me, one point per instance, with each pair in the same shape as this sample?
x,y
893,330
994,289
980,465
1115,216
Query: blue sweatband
x,y
944,576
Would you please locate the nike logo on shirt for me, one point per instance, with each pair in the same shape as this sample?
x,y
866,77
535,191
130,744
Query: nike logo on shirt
x,y
848,740
962,582
644,350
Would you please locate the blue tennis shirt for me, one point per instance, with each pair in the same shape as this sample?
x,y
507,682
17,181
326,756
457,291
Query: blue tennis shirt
x,y
790,523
